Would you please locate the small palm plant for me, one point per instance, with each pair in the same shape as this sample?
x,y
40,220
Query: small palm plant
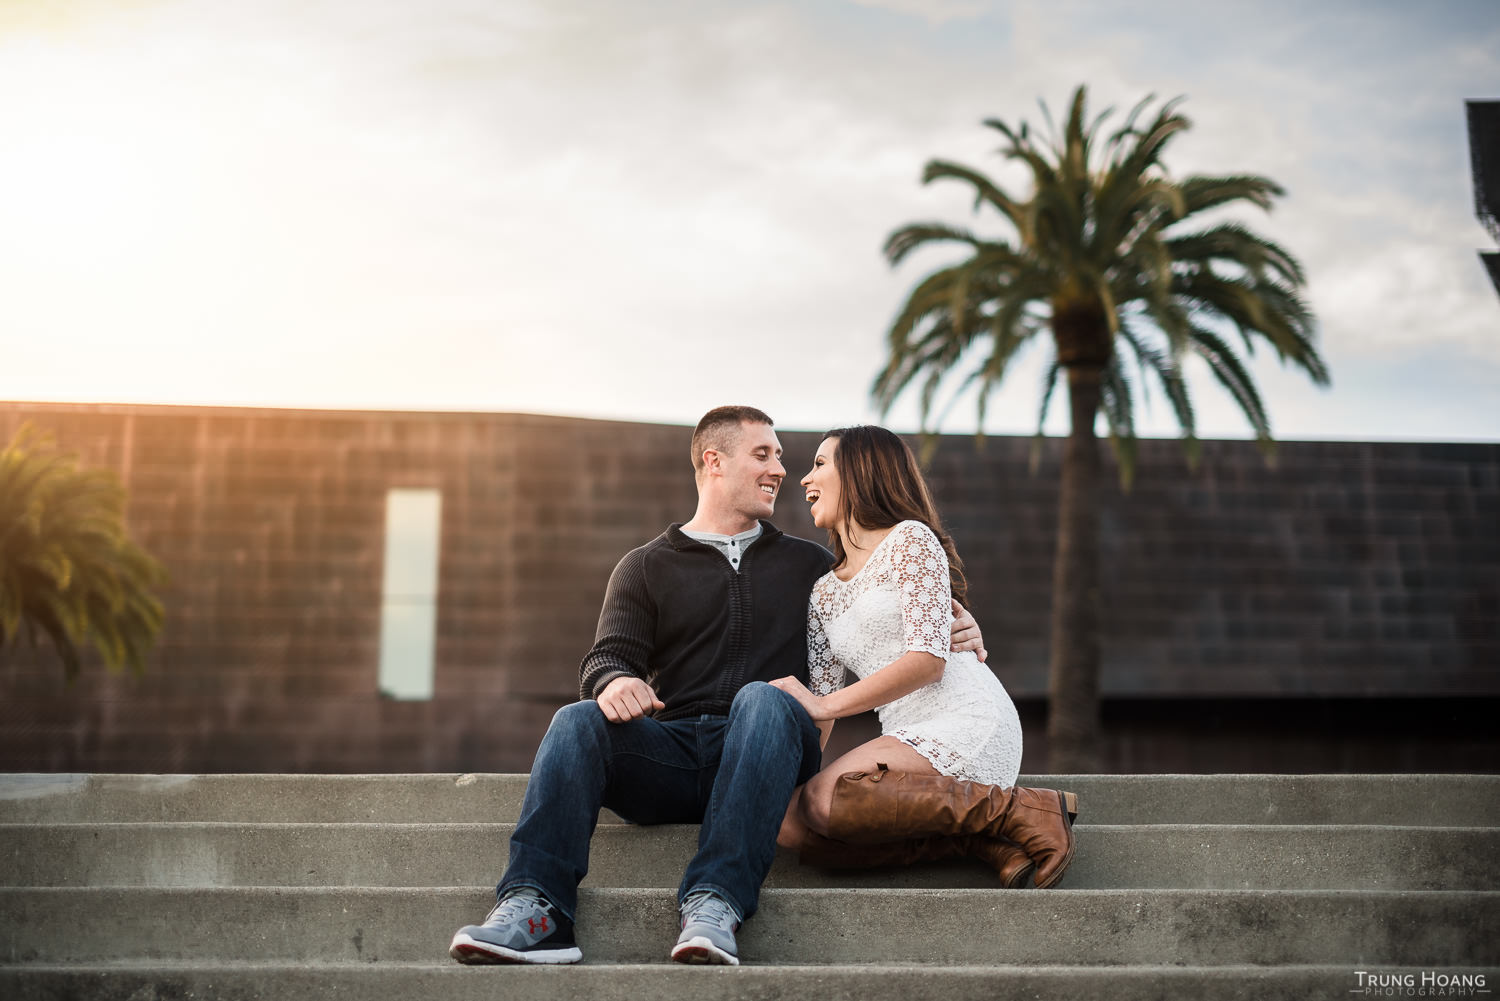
x,y
1112,258
67,568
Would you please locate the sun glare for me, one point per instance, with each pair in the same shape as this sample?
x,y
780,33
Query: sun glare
x,y
122,233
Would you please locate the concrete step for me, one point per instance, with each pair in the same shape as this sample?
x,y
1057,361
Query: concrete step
x,y
1401,800
612,982
1112,928
469,855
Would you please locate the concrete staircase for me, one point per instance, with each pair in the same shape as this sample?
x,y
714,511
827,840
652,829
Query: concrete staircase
x,y
292,886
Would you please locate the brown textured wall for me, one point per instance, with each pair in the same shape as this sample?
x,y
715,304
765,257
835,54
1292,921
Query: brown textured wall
x,y
1347,569
1349,579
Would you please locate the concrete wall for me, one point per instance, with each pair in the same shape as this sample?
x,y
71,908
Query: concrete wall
x,y
1336,612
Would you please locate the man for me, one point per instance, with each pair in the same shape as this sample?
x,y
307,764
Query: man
x,y
679,724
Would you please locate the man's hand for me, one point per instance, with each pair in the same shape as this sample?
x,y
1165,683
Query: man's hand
x,y
627,698
966,633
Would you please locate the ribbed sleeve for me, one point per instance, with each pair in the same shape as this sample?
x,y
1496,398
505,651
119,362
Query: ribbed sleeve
x,y
627,628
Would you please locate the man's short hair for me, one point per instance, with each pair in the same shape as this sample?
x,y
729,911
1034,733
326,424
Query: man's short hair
x,y
720,430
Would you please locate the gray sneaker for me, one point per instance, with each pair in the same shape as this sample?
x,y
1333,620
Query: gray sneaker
x,y
523,927
708,927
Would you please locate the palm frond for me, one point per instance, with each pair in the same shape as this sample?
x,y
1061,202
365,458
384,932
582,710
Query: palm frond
x,y
1117,404
1234,243
1115,146
908,238
1050,373
1233,376
1203,193
1167,368
986,191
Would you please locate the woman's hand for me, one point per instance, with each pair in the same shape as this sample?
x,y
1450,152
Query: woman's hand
x,y
815,705
966,635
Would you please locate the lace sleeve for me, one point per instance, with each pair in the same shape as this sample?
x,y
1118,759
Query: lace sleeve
x,y
921,571
825,675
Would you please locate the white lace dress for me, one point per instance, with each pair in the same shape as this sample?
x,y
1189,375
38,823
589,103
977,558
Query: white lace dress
x,y
964,723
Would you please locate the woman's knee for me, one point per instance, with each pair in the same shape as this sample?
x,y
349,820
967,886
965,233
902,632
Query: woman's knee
x,y
816,803
792,829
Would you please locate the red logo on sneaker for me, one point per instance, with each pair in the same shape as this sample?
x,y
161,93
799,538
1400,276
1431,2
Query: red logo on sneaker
x,y
535,925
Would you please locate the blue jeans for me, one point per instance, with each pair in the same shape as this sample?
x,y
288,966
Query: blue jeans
x,y
734,775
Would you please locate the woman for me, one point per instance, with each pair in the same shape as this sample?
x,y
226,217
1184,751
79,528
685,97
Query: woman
x,y
939,781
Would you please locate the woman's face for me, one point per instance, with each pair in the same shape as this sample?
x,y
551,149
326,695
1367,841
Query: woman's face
x,y
821,486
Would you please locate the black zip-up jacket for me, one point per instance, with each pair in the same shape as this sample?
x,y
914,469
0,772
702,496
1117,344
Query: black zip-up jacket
x,y
679,617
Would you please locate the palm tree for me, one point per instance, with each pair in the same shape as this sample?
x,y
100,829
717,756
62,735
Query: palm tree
x,y
67,568
1106,255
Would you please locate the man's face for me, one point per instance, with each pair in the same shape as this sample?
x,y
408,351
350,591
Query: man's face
x,y
753,471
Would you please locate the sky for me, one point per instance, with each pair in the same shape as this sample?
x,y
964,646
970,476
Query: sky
x,y
640,209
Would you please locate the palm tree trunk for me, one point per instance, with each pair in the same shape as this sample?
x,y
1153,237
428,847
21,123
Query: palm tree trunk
x,y
1073,675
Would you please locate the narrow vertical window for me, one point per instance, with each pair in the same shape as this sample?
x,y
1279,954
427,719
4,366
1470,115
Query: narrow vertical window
x,y
408,612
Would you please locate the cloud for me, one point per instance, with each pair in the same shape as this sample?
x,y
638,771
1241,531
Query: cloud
x,y
440,204
932,11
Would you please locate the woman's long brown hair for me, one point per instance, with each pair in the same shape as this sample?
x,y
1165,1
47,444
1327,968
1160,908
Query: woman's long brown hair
x,y
880,486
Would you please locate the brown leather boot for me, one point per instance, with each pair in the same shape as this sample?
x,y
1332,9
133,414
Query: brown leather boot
x,y
884,805
1016,871
1009,862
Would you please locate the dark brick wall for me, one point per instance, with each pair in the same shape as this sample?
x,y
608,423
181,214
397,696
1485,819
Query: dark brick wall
x,y
1351,579
1346,569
